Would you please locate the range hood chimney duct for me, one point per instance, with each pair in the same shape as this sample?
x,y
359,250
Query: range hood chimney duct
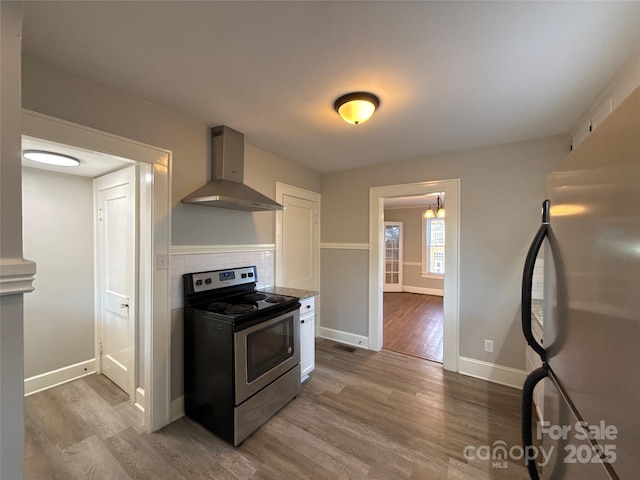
x,y
226,188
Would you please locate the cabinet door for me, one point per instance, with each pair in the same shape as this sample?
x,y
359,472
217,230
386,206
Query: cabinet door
x,y
307,345
392,256
298,261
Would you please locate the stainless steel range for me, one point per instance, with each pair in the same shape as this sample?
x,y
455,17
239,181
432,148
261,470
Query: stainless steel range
x,y
241,351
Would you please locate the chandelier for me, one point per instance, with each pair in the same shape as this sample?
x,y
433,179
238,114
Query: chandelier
x,y
435,211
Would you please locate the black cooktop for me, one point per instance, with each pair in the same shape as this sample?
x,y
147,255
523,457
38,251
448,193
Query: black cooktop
x,y
245,303
231,294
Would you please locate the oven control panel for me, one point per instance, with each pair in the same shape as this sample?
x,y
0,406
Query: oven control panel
x,y
203,281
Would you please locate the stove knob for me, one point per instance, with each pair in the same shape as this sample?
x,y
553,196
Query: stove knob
x,y
208,281
198,283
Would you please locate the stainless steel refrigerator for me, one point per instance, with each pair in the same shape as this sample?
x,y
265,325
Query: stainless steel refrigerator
x,y
590,235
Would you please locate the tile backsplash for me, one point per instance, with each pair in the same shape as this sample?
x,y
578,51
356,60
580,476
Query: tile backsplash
x,y
182,263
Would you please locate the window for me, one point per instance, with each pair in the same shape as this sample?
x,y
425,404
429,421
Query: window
x,y
433,258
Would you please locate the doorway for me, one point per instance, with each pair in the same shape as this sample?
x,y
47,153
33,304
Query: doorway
x,y
154,237
81,231
393,256
413,305
451,189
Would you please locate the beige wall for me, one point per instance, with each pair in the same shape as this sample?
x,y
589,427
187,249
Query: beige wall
x,y
58,93
11,334
58,236
502,188
10,189
411,219
343,289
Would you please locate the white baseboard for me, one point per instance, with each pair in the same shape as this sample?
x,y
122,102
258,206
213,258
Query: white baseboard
x,y
511,377
392,288
57,377
139,399
344,337
177,408
424,291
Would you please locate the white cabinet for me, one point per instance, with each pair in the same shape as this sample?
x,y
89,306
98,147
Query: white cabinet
x,y
307,336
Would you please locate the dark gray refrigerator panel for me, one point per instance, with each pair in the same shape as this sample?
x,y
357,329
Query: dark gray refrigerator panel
x,y
592,264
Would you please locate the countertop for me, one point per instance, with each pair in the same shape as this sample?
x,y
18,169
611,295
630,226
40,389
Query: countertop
x,y
537,311
292,292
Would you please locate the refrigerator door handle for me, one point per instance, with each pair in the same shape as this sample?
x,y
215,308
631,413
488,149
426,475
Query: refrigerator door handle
x,y
527,282
527,415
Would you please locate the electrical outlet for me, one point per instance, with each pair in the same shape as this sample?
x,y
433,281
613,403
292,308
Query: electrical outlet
x,y
488,346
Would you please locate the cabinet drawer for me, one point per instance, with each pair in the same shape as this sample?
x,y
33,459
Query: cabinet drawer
x,y
307,305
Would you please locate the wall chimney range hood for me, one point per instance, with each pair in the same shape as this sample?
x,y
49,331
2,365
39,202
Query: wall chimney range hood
x,y
226,190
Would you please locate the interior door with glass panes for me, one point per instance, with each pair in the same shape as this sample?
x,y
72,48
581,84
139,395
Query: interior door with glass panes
x,y
392,256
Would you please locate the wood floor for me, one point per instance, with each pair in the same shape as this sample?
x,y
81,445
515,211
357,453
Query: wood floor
x,y
361,415
413,324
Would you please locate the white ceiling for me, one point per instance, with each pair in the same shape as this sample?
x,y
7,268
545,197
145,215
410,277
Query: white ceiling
x,y
450,75
414,202
92,164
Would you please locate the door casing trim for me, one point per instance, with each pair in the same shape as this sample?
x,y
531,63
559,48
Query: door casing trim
x,y
451,302
155,291
283,189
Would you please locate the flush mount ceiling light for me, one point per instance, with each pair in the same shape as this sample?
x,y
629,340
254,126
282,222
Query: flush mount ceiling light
x,y
51,158
356,107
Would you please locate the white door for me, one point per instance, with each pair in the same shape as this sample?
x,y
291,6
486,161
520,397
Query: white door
x,y
116,222
393,257
299,243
